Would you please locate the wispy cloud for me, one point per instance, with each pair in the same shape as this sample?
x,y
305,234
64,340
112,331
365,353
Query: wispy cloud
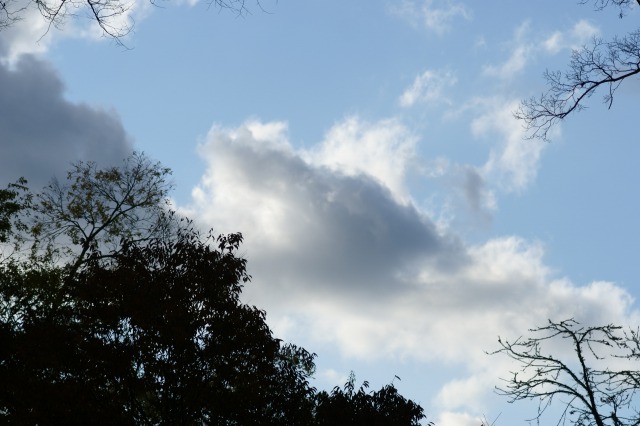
x,y
513,161
521,52
580,34
428,88
434,15
526,46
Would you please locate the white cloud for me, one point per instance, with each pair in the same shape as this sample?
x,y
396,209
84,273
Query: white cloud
x,y
331,377
525,47
514,160
514,64
428,88
448,418
382,150
33,34
434,15
521,52
28,35
580,34
337,260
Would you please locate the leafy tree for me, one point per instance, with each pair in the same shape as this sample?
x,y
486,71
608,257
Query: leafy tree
x,y
155,335
348,407
14,200
95,209
601,64
594,383
142,323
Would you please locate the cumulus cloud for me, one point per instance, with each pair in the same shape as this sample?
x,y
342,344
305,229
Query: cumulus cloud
x,y
333,220
42,133
27,35
338,260
433,15
383,151
428,88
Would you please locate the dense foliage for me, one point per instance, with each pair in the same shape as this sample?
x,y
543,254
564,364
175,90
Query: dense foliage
x,y
149,330
348,407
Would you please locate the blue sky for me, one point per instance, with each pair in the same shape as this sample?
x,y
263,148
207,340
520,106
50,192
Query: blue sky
x,y
396,219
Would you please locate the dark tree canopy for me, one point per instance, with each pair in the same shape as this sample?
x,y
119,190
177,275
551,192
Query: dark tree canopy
x,y
156,335
350,407
593,384
601,65
14,199
153,330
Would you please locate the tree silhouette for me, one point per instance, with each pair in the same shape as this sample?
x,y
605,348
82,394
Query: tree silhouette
x,y
14,200
350,407
594,383
155,335
601,64
95,209
135,326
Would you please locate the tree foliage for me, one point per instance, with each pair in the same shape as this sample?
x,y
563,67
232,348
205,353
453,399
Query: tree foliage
x,y
594,384
157,335
143,327
95,209
600,65
15,200
350,407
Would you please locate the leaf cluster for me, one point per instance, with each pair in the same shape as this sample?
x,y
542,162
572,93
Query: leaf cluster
x,y
350,407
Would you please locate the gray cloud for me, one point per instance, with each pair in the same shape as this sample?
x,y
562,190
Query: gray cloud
x,y
339,231
41,132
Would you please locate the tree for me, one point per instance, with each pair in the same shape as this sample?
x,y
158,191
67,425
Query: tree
x,y
109,15
96,209
137,326
155,335
14,200
348,407
602,64
587,383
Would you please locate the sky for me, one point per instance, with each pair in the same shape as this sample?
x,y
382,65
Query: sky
x,y
396,218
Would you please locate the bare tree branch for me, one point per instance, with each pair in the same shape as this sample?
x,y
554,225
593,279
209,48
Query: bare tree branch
x,y
599,65
602,64
590,395
109,15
